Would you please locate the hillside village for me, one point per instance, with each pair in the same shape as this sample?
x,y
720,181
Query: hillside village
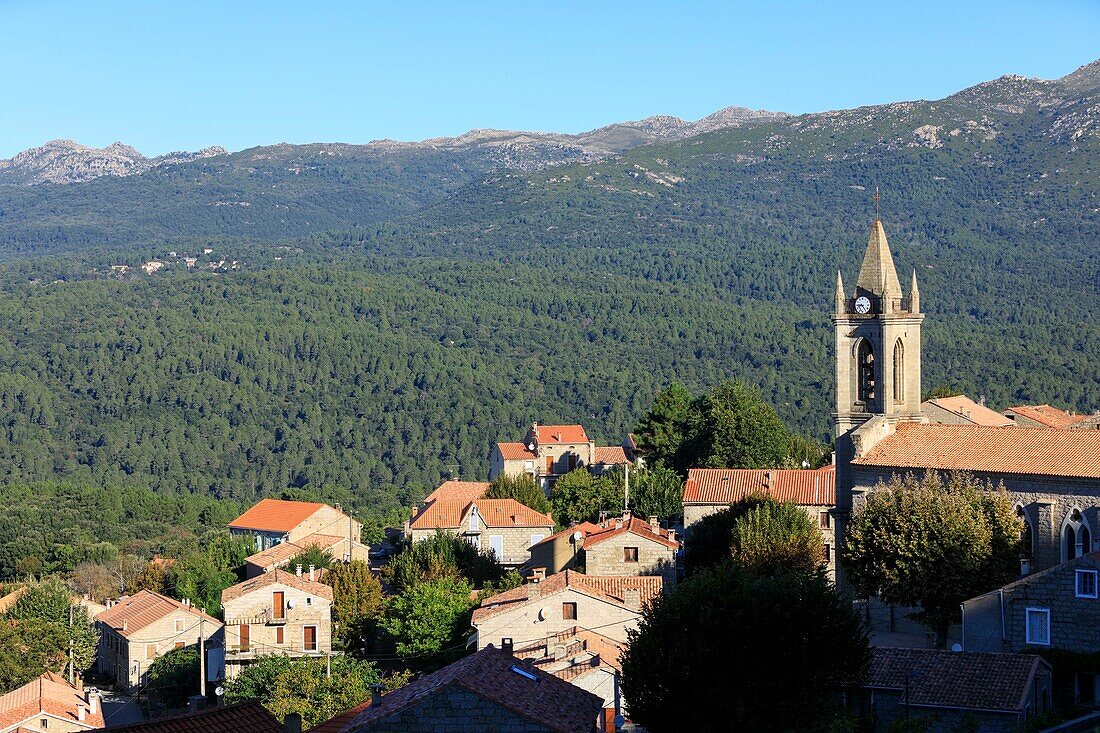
x,y
528,601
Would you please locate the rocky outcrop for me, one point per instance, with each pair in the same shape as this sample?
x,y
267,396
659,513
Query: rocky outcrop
x,y
65,161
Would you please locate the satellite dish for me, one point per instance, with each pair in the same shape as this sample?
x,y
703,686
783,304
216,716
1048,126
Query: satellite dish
x,y
544,613
291,603
578,536
219,691
530,446
956,647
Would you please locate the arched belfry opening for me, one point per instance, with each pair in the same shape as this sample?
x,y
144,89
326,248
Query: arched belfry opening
x,y
1076,535
899,372
865,360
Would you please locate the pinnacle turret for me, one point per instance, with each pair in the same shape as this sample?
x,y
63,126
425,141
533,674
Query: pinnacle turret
x,y
840,295
914,295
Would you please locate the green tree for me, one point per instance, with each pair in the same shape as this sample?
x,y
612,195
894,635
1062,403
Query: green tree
x,y
443,555
734,428
356,603
933,543
521,488
710,541
655,491
47,609
777,647
304,686
429,617
578,496
30,647
312,555
203,575
174,676
776,536
662,431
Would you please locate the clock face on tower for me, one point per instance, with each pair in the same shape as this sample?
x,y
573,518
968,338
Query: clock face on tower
x,y
863,305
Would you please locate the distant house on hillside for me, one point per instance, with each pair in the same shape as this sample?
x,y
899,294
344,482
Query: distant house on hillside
x,y
274,521
137,629
620,546
504,526
961,410
486,692
710,490
278,612
50,703
551,451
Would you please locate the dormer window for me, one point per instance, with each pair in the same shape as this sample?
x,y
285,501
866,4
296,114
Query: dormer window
x,y
475,522
1086,583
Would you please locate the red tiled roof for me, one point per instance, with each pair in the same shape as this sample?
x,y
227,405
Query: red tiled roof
x,y
143,608
1049,416
610,588
494,512
515,451
465,491
611,455
1038,451
276,515
968,680
970,410
726,485
280,553
586,651
274,577
337,723
491,675
585,528
634,526
243,717
560,434
50,694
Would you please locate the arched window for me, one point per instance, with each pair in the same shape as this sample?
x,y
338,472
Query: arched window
x,y
1076,537
1027,537
865,360
899,372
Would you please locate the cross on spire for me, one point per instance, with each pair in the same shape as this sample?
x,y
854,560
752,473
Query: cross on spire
x,y
876,198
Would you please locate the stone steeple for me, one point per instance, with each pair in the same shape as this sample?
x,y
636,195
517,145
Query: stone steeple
x,y
840,296
877,275
914,295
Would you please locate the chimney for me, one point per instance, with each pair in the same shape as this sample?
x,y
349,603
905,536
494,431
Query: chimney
x,y
653,522
672,535
618,523
298,570
534,591
538,574
632,598
187,602
292,723
767,479
93,702
80,684
375,694
506,645
311,569
603,519
80,713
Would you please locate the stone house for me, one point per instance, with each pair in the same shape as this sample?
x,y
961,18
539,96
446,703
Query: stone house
x,y
273,521
50,703
961,410
1045,416
621,546
501,526
545,606
279,612
711,490
280,555
551,451
1057,608
135,630
490,691
242,717
950,691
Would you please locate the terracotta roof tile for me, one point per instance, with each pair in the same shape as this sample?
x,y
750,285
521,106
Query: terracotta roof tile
x,y
585,528
515,451
276,515
48,693
585,651
634,526
274,577
338,722
280,553
968,409
494,512
611,455
560,434
610,588
464,491
1039,451
243,717
143,608
726,485
491,674
1049,416
969,680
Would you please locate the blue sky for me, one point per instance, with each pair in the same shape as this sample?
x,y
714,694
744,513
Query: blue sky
x,y
182,75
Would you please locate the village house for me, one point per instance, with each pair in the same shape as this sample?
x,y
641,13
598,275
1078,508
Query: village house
x,y
961,410
274,521
503,526
486,692
1057,608
278,612
551,451
1046,416
137,629
946,691
551,604
711,490
621,546
280,555
50,703
242,717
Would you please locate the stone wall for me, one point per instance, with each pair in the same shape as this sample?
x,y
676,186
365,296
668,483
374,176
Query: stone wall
x,y
608,558
453,710
254,609
542,616
327,520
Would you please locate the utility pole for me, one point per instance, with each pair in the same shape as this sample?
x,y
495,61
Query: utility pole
x,y
202,658
626,487
71,671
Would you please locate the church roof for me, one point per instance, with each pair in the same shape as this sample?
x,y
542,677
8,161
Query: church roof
x,y
1004,450
878,266
968,409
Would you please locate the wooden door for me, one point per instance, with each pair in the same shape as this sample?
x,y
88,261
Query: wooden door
x,y
277,604
246,637
309,638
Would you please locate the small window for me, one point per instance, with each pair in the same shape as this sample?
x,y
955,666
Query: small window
x,y
630,554
537,538
569,611
278,634
45,723
179,625
309,600
179,645
1086,583
823,520
1038,626
150,651
828,553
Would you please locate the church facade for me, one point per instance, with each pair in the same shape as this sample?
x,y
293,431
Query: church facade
x,y
1052,475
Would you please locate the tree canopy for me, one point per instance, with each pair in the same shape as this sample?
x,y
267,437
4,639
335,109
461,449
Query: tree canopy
x,y
521,488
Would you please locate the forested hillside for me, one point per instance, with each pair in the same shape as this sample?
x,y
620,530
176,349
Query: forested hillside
x,y
449,308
